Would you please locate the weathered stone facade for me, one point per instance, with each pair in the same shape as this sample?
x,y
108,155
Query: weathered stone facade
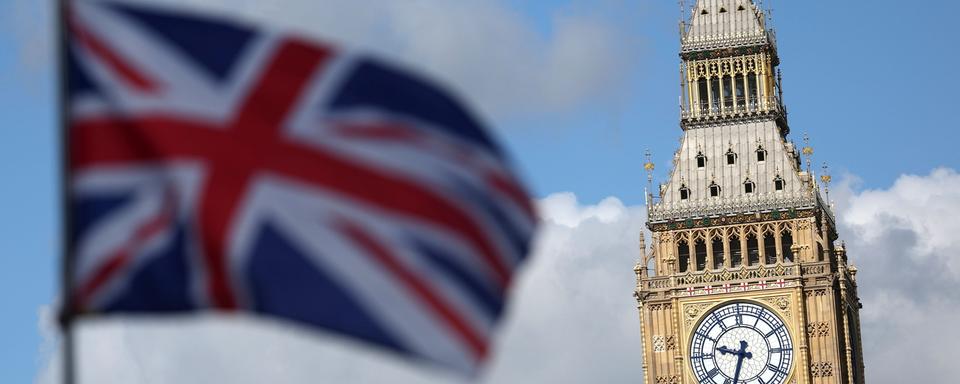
x,y
742,221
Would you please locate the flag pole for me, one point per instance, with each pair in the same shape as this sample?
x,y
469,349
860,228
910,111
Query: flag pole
x,y
66,225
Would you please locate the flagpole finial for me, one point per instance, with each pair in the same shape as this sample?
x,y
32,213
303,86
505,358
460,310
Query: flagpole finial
x,y
826,179
807,150
649,166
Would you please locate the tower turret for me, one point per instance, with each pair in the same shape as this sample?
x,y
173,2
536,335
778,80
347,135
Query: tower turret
x,y
729,65
747,284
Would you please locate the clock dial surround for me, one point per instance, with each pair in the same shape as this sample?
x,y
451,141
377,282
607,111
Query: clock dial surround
x,y
768,343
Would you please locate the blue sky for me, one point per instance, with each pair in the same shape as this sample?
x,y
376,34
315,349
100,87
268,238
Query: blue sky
x,y
868,81
871,82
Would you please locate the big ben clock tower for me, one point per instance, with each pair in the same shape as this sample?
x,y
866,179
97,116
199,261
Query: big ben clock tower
x,y
745,281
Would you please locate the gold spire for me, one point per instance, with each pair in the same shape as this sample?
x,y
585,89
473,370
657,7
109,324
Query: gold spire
x,y
807,150
826,179
649,167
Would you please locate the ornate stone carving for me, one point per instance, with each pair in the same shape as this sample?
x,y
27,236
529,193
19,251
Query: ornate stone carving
x,y
692,311
668,379
659,345
781,303
661,307
814,269
816,293
658,284
821,369
742,273
663,343
672,217
671,342
819,329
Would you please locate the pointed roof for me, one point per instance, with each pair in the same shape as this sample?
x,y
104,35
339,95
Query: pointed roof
x,y
780,161
724,23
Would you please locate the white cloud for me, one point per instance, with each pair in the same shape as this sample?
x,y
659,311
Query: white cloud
x,y
572,320
904,240
485,49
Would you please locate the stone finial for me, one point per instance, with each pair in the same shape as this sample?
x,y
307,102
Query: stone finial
x,y
641,268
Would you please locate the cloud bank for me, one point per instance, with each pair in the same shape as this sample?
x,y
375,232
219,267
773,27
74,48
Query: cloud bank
x,y
572,318
905,242
484,49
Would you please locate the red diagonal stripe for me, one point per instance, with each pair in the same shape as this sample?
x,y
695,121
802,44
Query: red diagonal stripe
x,y
277,92
127,72
512,190
505,185
390,193
105,143
254,137
476,344
123,255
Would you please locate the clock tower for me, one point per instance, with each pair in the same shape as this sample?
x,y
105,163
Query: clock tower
x,y
745,280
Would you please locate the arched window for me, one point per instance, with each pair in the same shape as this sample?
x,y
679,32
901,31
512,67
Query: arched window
x,y
683,255
749,186
819,252
714,190
728,92
769,249
700,248
738,83
761,154
736,253
731,157
715,90
786,246
778,183
704,95
701,160
753,250
717,253
684,192
752,91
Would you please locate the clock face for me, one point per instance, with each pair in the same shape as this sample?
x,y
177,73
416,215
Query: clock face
x,y
743,334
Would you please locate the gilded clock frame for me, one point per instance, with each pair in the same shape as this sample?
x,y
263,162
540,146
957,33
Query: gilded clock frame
x,y
785,303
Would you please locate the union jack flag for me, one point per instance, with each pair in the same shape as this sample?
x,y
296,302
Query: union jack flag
x,y
218,166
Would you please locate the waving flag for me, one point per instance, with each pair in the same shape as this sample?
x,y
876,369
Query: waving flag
x,y
218,166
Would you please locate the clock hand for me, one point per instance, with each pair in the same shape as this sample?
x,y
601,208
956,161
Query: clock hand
x,y
724,350
741,354
743,350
